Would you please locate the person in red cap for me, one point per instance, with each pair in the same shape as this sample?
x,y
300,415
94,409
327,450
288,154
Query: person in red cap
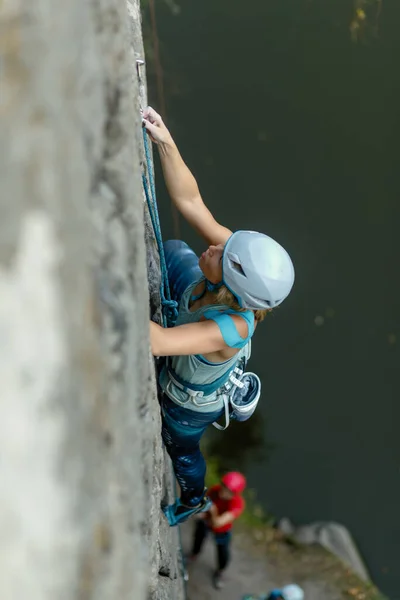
x,y
227,505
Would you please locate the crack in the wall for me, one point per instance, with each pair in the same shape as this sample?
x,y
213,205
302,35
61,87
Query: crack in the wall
x,y
167,574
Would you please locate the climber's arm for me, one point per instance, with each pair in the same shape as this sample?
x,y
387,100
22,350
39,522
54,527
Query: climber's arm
x,y
217,521
181,184
193,338
220,520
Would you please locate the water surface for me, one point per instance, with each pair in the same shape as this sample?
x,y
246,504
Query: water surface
x,y
293,129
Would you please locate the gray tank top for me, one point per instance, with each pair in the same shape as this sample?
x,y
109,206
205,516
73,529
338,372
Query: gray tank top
x,y
195,368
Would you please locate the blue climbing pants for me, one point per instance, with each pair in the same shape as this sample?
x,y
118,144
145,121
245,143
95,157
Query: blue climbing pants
x,y
182,430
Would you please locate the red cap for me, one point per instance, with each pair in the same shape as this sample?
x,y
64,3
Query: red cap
x,y
234,481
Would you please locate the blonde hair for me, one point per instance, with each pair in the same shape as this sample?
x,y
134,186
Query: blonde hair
x,y
225,296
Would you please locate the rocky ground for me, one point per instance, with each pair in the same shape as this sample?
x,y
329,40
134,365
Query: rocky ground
x,y
261,562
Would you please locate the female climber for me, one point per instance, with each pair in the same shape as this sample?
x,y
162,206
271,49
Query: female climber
x,y
222,297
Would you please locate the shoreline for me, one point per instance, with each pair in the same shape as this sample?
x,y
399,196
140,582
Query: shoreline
x,y
282,558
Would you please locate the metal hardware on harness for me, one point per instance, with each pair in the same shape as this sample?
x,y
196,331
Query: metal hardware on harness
x,y
236,382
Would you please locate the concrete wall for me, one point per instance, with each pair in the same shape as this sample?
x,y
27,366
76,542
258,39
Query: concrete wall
x,y
82,470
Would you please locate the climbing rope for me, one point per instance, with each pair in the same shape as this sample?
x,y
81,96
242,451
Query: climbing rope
x,y
169,307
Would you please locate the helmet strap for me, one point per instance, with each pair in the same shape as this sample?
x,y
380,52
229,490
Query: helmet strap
x,y
212,287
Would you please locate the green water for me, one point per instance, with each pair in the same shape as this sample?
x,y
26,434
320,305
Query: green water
x,y
292,128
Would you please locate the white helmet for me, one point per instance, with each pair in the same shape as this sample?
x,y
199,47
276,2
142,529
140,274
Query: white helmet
x,y
257,270
292,592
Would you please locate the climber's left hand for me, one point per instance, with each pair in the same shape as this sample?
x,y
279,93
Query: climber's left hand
x,y
155,126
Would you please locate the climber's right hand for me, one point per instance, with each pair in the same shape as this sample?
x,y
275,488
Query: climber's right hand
x,y
155,127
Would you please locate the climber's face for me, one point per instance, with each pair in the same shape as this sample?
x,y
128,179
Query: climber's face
x,y
210,262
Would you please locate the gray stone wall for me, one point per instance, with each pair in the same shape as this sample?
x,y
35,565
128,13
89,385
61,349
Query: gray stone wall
x,y
82,471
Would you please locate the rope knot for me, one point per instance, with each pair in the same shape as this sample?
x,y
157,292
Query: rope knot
x,y
170,310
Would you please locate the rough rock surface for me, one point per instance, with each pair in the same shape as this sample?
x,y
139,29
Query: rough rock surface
x,y
82,468
260,562
332,536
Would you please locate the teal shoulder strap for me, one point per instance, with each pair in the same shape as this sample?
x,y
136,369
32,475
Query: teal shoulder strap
x,y
227,326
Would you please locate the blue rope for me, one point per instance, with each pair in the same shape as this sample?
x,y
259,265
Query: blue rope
x,y
169,306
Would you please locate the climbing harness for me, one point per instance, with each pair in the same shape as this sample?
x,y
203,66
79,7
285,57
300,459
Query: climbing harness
x,y
240,392
169,306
